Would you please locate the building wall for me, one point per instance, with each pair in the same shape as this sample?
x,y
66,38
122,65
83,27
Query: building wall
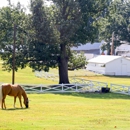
x,y
113,68
98,68
126,66
123,49
119,67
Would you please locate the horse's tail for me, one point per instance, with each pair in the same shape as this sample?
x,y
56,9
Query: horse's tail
x,y
1,95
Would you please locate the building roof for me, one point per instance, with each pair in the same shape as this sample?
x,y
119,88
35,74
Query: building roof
x,y
103,59
128,58
87,46
123,47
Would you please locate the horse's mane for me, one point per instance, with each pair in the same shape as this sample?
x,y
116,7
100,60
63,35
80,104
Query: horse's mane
x,y
23,92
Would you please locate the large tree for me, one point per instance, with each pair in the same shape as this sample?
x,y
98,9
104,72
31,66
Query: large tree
x,y
13,29
116,23
66,23
44,38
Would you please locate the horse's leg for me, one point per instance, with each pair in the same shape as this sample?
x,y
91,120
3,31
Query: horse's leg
x,y
20,100
3,102
14,101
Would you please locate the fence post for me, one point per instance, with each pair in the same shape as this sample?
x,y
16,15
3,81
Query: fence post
x,y
129,90
76,87
62,86
110,87
91,84
123,89
41,88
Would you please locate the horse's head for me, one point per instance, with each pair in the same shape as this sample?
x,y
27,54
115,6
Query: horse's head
x,y
26,103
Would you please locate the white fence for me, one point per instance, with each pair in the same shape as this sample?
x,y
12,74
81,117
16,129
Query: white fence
x,y
77,85
123,89
46,75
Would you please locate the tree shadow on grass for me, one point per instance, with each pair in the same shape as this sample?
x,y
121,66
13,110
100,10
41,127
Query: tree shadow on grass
x,y
97,95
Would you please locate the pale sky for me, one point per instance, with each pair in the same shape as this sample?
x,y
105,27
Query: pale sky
x,y
23,2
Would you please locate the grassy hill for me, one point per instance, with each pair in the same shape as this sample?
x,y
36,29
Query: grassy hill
x,y
26,76
23,76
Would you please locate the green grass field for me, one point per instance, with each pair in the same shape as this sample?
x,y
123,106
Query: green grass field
x,y
68,112
26,76
74,111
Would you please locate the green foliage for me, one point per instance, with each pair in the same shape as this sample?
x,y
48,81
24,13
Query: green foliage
x,y
117,22
42,56
45,37
67,23
91,12
12,19
76,61
42,24
43,49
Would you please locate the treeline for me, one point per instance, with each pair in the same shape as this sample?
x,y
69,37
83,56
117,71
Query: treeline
x,y
43,38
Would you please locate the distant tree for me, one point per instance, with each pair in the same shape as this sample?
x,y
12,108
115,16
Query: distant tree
x,y
12,20
77,61
117,22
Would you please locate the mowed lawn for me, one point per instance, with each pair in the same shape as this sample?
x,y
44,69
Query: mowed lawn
x,y
27,76
75,111
23,76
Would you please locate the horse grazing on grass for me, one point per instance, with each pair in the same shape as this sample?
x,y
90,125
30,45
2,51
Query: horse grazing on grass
x,y
13,90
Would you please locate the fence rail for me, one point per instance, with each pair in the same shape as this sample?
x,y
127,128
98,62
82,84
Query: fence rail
x,y
77,85
123,89
62,88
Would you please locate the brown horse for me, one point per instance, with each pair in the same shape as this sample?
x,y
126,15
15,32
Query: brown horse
x,y
12,90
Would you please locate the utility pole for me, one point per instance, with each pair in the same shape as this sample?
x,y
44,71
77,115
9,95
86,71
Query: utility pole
x,y
112,45
13,64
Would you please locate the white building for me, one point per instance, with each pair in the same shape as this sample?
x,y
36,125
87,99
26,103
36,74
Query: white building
x,y
110,65
123,50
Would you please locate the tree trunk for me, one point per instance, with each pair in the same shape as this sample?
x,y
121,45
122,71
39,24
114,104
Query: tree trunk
x,y
63,66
